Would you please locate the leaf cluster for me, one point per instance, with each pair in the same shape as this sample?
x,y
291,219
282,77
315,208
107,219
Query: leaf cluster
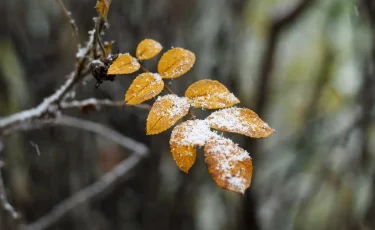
x,y
230,165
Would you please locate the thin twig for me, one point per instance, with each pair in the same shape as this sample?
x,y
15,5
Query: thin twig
x,y
107,182
98,103
36,147
4,201
68,15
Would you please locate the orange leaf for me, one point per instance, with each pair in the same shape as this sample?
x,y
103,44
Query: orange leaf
x,y
210,94
229,165
175,62
148,49
124,64
165,112
239,120
143,88
185,137
102,6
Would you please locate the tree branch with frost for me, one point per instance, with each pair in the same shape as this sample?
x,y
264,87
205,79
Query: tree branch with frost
x,y
3,196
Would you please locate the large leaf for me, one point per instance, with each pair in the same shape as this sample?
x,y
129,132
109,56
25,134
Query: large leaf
x,y
175,62
229,165
239,120
210,94
144,87
165,112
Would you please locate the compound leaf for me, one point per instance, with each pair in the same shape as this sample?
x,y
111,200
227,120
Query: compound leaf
x,y
239,120
124,64
210,94
175,62
144,87
229,165
165,112
148,49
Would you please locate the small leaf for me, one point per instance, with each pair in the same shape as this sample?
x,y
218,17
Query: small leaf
x,y
124,64
229,165
210,94
185,137
148,49
165,112
107,48
239,120
102,6
175,62
143,88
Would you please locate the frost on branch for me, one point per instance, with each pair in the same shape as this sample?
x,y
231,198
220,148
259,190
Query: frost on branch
x,y
239,120
210,94
175,63
143,88
148,49
165,112
124,64
185,137
229,165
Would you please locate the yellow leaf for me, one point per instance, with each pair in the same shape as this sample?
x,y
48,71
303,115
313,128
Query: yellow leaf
x,y
165,112
175,62
239,120
185,137
124,64
148,49
210,94
143,88
229,165
102,6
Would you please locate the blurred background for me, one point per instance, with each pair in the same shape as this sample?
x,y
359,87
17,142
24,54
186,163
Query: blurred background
x,y
306,67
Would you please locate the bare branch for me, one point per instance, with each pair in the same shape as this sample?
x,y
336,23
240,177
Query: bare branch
x,y
68,15
98,103
4,200
104,184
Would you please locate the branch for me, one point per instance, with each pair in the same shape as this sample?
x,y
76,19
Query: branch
x,y
279,21
97,103
68,15
3,196
105,183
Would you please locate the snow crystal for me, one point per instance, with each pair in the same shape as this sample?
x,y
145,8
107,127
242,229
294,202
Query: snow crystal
x,y
179,106
157,76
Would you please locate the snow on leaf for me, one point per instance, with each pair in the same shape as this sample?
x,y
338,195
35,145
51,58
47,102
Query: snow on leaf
x,y
102,6
148,49
165,112
239,120
210,94
144,87
185,137
229,165
124,64
175,62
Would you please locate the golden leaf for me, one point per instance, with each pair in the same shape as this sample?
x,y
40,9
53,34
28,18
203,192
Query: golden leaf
x,y
148,49
107,48
239,120
102,6
143,88
124,64
185,137
175,62
229,165
210,94
165,112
